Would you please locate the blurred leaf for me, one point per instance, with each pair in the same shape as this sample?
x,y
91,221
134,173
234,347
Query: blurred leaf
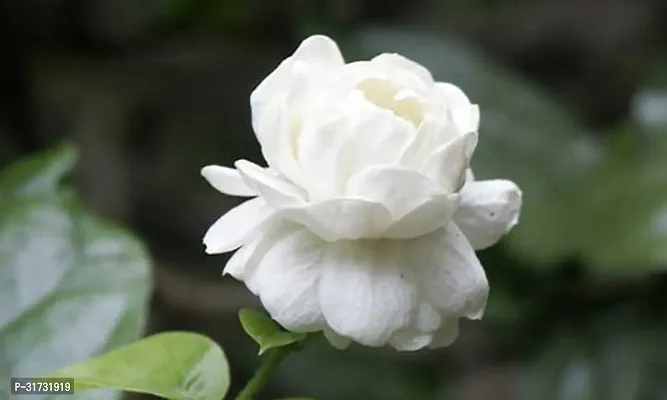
x,y
625,209
611,358
37,174
524,135
266,332
563,372
173,365
649,109
71,285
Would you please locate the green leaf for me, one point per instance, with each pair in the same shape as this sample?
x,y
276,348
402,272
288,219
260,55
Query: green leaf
x,y
525,135
266,332
564,371
38,174
71,285
626,207
614,356
173,365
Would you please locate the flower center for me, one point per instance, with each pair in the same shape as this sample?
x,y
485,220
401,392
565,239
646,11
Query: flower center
x,y
403,102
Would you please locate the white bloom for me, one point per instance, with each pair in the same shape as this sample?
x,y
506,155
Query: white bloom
x,y
364,224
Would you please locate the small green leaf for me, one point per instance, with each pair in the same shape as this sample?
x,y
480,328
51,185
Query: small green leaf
x,y
173,365
265,331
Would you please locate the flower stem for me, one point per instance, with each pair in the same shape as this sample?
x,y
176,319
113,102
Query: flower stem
x,y
266,369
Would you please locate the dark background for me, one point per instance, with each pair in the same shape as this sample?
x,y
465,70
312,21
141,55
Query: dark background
x,y
573,96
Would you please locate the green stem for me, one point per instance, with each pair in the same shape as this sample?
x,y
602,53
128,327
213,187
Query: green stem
x,y
266,369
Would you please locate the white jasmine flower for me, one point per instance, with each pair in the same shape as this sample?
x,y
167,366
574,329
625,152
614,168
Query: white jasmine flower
x,y
364,224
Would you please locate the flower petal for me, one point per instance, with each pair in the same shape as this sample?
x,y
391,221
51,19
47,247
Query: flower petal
x,y
450,274
226,180
418,206
236,226
470,177
410,340
275,189
464,114
366,291
432,134
448,164
336,340
320,49
489,209
319,154
338,219
393,61
376,135
239,260
447,333
428,318
285,274
400,190
276,101
315,57
426,218
276,145
426,322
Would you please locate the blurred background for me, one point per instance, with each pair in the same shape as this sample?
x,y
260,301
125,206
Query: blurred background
x,y
573,98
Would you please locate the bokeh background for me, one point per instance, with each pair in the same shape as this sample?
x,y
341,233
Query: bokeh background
x,y
573,97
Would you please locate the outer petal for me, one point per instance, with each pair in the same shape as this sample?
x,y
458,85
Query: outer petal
x,y
316,56
277,101
425,322
235,228
319,154
397,61
336,340
237,263
338,219
403,73
284,271
450,274
367,292
281,130
427,318
275,189
448,164
464,114
226,180
410,340
470,177
447,333
489,209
